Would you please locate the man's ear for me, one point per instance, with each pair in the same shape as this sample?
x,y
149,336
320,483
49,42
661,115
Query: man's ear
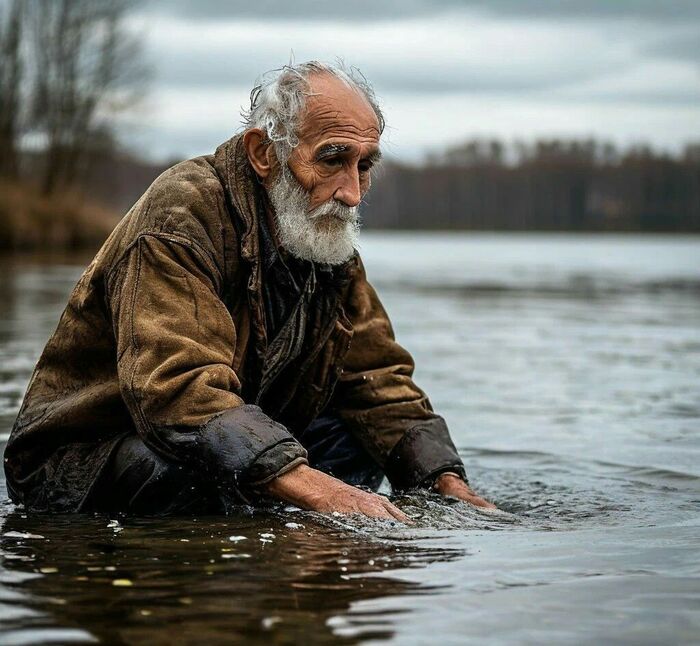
x,y
259,151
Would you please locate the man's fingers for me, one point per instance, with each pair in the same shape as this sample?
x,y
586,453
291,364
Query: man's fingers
x,y
346,499
480,502
457,488
380,507
397,513
375,510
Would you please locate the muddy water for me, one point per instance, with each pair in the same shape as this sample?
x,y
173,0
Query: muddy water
x,y
568,369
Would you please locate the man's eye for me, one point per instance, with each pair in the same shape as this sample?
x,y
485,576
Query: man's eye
x,y
365,167
333,161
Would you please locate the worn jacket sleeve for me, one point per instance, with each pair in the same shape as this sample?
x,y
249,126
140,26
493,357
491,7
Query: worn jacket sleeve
x,y
175,348
377,397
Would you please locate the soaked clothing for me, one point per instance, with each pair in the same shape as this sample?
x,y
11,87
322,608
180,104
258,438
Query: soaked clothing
x,y
187,331
137,481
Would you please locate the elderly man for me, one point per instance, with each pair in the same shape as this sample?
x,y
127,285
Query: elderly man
x,y
225,347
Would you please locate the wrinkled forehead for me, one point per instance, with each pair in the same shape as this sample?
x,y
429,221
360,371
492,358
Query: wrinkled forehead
x,y
336,110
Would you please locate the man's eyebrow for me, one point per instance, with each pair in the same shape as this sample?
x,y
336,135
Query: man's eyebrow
x,y
331,149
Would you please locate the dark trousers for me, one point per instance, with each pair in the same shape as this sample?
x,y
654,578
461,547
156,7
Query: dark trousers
x,y
136,480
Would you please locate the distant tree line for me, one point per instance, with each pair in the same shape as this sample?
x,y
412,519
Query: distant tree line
x,y
543,186
68,66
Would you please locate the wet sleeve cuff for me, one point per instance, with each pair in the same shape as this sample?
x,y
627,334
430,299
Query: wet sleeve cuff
x,y
246,448
422,454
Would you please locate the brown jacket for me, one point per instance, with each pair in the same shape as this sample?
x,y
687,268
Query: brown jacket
x,y
165,336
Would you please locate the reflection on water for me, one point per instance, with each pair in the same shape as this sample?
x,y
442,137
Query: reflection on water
x,y
197,580
567,368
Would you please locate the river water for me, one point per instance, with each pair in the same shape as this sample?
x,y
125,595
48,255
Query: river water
x,y
568,368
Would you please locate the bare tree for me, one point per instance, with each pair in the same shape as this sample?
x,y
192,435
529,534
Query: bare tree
x,y
86,69
11,26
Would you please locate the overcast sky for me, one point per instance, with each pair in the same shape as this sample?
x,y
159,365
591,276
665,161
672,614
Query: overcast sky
x,y
623,70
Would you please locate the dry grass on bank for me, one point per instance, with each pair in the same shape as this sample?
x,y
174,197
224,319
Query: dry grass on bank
x,y
32,222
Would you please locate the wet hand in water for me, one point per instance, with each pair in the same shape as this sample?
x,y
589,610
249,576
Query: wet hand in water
x,y
450,484
317,491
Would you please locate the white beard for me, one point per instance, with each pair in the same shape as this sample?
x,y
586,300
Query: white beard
x,y
327,234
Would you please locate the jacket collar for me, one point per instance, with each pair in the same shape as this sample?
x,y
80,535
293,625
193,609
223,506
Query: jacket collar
x,y
243,192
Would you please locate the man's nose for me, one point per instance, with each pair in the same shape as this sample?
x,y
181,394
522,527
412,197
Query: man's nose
x,y
349,192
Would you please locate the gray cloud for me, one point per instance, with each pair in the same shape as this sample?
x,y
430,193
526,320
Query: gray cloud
x,y
276,10
671,11
201,61
680,47
180,69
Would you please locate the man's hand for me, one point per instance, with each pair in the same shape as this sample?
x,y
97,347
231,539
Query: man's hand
x,y
316,491
450,484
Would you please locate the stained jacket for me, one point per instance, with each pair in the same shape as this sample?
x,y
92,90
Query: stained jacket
x,y
168,334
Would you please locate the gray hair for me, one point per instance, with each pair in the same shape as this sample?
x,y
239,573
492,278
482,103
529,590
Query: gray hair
x,y
279,97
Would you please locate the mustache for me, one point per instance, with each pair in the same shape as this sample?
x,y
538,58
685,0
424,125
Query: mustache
x,y
335,209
